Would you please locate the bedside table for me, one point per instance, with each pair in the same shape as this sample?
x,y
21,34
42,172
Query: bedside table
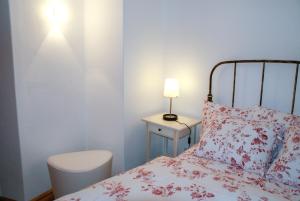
x,y
169,130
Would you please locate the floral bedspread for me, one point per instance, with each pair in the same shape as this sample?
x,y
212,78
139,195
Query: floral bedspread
x,y
186,177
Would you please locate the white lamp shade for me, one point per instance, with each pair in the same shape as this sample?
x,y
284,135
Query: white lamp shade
x,y
171,89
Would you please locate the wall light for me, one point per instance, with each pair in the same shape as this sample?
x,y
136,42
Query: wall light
x,y
56,13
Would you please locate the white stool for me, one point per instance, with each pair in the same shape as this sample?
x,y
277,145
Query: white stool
x,y
74,171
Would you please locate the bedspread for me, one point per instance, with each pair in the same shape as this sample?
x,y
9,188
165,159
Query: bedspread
x,y
184,178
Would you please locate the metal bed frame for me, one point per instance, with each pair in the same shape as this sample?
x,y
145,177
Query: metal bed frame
x,y
263,62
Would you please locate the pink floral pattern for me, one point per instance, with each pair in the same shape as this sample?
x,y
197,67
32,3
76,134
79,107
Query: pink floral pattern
x,y
242,143
144,175
162,191
199,192
192,178
115,190
286,167
213,112
178,179
270,115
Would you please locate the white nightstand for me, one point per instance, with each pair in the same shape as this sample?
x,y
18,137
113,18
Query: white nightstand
x,y
169,130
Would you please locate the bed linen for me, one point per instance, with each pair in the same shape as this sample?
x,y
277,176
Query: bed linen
x,y
244,143
186,177
286,167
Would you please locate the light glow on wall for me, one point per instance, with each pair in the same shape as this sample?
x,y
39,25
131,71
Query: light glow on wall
x,y
57,14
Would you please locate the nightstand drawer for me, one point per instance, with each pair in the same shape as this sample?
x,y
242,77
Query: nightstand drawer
x,y
168,129
160,130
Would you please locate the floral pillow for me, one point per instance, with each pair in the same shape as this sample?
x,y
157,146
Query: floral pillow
x,y
270,115
286,168
213,112
279,119
246,144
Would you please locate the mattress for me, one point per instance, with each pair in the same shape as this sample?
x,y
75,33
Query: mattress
x,y
186,177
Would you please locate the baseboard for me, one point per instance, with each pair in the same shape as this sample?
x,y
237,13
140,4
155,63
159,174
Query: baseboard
x,y
6,199
46,196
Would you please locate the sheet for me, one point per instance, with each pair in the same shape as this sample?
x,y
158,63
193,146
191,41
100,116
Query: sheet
x,y
186,177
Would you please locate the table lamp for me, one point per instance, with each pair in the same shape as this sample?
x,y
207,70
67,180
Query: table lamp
x,y
171,90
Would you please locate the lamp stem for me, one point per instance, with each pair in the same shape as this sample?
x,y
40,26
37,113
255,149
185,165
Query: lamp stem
x,y
170,105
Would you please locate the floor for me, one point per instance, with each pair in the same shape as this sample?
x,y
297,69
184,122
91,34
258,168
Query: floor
x,y
5,199
47,196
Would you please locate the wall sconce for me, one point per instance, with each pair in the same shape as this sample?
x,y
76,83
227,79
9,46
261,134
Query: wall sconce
x,y
56,13
171,90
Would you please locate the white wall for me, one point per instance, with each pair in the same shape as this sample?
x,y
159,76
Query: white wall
x,y
143,73
201,33
184,39
69,84
49,80
104,77
10,156
74,91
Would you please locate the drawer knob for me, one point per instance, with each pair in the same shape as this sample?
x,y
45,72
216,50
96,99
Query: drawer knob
x,y
159,129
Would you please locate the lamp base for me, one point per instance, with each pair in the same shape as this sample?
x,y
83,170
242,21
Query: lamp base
x,y
170,117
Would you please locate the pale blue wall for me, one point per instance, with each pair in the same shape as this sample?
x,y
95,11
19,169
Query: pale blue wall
x,y
143,73
162,38
201,33
10,156
103,36
187,37
69,84
49,82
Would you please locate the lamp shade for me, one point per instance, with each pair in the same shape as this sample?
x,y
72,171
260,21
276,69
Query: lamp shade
x,y
171,89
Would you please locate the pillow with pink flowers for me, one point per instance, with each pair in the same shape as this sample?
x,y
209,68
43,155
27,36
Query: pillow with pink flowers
x,y
286,167
212,113
246,144
279,119
265,114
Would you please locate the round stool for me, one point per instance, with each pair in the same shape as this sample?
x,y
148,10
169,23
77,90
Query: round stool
x,y
74,171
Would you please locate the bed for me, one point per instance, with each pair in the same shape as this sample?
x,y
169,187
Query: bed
x,y
192,177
